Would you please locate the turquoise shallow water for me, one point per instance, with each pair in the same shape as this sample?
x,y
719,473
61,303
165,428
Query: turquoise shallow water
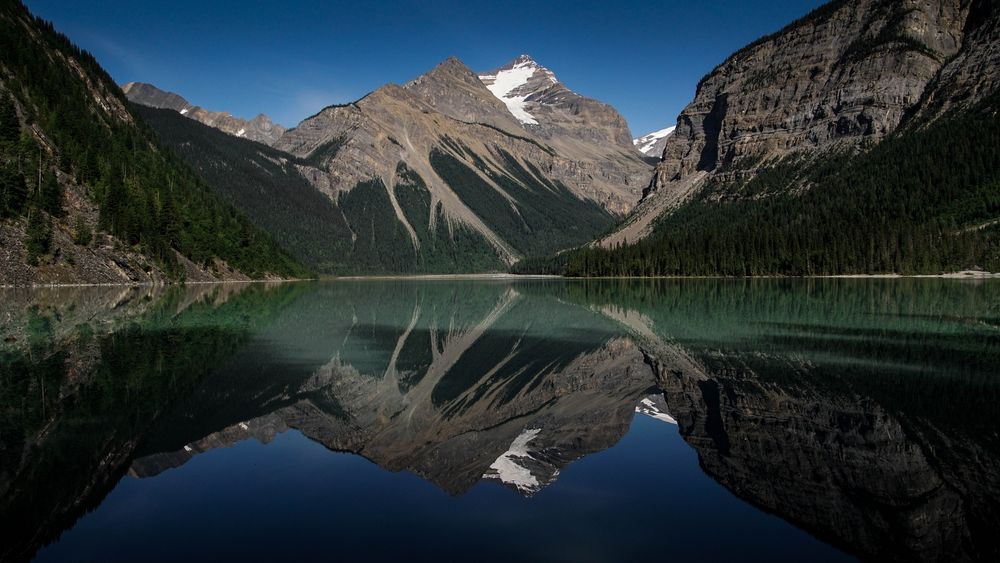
x,y
499,420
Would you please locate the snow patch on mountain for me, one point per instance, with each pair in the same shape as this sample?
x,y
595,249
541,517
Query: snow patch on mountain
x,y
650,407
505,82
507,469
647,143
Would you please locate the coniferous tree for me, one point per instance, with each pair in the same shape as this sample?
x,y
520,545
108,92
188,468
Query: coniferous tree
x,y
10,127
168,228
13,192
39,235
82,235
51,195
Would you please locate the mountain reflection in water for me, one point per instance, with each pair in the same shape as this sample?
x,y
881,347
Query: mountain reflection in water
x,y
860,411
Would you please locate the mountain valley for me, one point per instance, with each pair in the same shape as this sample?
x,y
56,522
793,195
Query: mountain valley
x,y
417,306
875,114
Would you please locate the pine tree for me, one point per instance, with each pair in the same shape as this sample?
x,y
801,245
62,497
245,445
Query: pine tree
x,y
13,192
168,227
10,127
51,195
39,235
82,234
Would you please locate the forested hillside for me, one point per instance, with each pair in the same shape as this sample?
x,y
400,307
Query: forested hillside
x,y
347,232
87,194
926,200
261,182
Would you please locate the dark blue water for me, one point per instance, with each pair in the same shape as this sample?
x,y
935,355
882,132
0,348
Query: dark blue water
x,y
502,421
643,499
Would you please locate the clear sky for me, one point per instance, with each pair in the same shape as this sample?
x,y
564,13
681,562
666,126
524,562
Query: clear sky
x,y
290,58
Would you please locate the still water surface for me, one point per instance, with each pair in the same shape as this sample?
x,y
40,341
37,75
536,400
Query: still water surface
x,y
786,420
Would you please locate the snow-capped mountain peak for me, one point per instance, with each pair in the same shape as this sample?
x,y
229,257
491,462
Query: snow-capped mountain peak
x,y
514,82
651,144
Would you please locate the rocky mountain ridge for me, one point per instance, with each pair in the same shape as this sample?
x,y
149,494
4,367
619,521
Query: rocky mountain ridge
x,y
260,128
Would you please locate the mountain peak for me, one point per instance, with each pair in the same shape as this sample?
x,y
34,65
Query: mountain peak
x,y
454,90
444,81
149,95
453,62
452,66
516,81
536,98
525,61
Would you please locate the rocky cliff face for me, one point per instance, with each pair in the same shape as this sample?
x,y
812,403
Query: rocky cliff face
x,y
974,71
260,128
849,73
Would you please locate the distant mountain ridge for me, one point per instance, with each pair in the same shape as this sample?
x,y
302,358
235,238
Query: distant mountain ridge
x,y
260,128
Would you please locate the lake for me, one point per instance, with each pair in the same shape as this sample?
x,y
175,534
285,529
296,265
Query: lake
x,y
500,420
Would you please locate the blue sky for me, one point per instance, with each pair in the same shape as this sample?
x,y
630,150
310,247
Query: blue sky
x,y
291,58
